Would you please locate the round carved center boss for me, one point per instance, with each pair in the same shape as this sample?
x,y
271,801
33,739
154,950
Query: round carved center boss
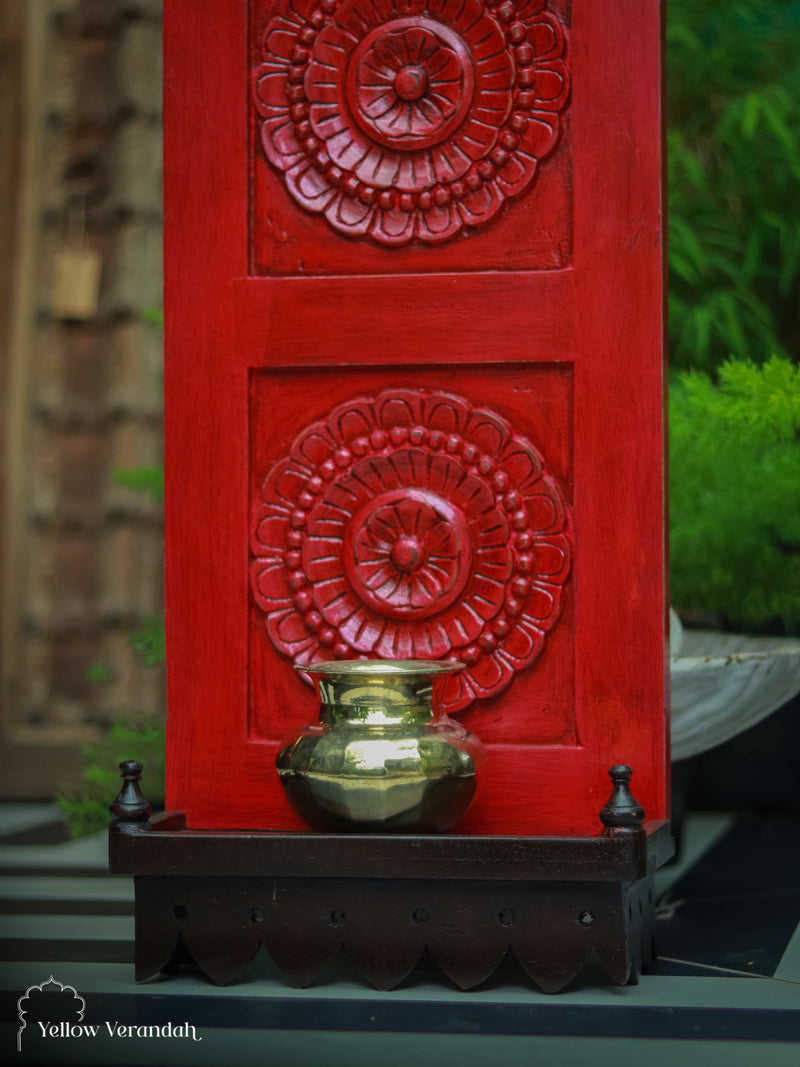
x,y
410,82
408,554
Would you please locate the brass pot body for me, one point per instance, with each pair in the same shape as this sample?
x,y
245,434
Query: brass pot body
x,y
384,756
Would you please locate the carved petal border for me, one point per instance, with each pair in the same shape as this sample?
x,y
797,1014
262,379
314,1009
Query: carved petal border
x,y
409,120
412,525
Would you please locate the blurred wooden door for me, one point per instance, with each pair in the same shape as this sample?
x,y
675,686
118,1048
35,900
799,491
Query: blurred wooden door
x,y
79,397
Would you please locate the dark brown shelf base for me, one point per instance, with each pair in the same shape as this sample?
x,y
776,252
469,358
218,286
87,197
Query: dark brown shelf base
x,y
215,897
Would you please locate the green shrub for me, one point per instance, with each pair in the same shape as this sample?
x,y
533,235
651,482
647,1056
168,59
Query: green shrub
x,y
149,641
143,479
87,811
734,492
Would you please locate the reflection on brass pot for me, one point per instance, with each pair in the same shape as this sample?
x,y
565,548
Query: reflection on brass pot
x,y
384,756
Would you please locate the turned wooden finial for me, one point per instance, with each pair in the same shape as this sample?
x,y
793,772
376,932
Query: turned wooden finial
x,y
622,808
131,805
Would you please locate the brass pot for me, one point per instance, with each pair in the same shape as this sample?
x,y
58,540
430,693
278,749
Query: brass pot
x,y
384,756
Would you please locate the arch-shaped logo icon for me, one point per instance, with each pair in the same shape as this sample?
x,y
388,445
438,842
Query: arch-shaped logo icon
x,y
28,1001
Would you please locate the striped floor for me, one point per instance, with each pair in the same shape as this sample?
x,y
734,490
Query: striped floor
x,y
726,989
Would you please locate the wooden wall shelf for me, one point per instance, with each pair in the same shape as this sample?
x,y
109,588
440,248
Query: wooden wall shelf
x,y
215,897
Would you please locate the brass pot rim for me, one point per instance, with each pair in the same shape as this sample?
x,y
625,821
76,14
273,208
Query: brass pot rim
x,y
371,667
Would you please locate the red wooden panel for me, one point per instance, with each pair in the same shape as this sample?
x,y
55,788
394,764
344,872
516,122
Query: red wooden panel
x,y
488,575
487,382
408,124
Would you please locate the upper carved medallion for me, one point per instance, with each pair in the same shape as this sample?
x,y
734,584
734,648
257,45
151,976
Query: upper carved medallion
x,y
409,120
412,525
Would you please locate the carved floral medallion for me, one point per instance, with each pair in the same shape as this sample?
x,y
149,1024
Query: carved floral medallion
x,y
412,525
409,120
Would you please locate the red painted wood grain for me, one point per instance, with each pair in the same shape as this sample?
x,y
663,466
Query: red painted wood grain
x,y
259,344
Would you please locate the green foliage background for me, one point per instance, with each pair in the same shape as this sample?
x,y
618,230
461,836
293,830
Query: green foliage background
x,y
733,118
733,140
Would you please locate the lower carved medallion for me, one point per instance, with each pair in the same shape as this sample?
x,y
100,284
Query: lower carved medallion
x,y
412,524
409,120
